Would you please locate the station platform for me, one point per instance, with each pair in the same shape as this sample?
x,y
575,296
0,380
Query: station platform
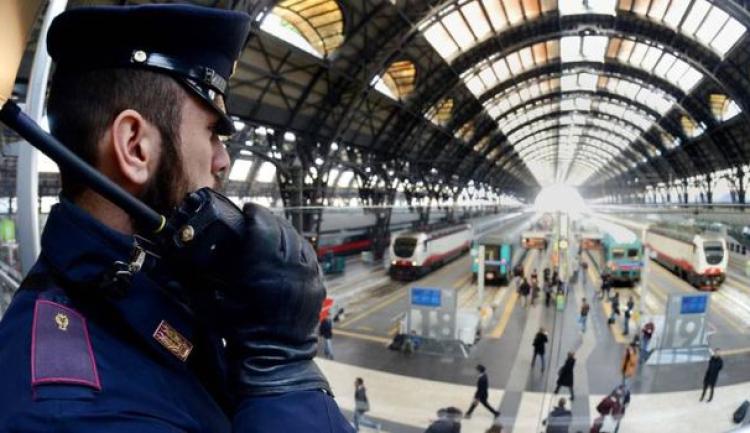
x,y
405,391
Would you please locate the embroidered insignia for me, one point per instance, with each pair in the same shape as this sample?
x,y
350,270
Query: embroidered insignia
x,y
61,357
173,341
62,321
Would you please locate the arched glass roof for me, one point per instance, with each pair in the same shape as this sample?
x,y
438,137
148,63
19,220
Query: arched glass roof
x,y
461,25
316,26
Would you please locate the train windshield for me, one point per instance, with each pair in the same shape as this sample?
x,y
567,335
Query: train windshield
x,y
618,254
404,247
633,253
714,252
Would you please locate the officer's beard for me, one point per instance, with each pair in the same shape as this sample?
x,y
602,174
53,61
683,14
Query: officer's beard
x,y
169,184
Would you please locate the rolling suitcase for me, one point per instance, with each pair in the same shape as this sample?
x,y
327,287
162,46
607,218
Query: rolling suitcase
x,y
741,411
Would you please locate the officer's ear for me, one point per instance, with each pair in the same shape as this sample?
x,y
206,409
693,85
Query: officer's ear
x,y
136,145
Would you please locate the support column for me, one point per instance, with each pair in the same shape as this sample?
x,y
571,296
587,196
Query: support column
x,y
27,176
740,186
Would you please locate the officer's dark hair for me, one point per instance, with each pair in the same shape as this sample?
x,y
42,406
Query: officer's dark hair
x,y
82,105
480,368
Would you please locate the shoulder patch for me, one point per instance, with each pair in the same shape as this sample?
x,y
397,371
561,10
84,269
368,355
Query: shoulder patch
x,y
61,350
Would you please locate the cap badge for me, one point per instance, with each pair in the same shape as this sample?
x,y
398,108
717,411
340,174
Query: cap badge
x,y
173,341
62,321
139,56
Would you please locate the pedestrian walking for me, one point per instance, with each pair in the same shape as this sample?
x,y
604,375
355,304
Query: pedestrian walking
x,y
611,410
565,375
480,396
449,421
558,421
615,308
524,290
540,344
547,293
606,285
626,316
585,307
629,364
715,364
325,332
361,406
646,334
546,275
534,292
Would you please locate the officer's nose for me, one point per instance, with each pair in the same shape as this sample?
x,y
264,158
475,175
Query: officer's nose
x,y
220,161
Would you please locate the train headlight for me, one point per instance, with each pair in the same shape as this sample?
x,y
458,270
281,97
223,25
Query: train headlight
x,y
413,263
393,263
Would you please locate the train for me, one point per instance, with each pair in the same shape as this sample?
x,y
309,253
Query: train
x,y
622,252
696,255
498,258
415,253
738,244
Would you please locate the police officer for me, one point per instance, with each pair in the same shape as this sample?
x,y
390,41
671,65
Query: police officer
x,y
138,92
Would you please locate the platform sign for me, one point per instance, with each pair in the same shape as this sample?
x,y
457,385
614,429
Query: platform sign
x,y
694,304
425,297
685,321
432,312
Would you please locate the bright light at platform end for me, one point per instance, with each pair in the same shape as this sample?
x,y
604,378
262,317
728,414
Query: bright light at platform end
x,y
559,198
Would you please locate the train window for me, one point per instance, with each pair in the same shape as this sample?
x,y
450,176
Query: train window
x,y
633,253
404,247
618,254
744,250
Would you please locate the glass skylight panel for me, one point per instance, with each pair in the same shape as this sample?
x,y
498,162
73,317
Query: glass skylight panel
x,y
594,48
570,48
496,13
475,85
514,63
345,179
732,110
266,173
626,49
652,57
501,69
639,52
728,36
676,11
666,62
476,19
514,11
440,40
655,100
658,9
711,26
527,58
332,174
240,170
690,79
457,27
695,16
577,7
677,71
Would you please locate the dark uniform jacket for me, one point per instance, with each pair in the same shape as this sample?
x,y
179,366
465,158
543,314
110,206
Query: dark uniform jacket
x,y
565,375
482,387
326,328
715,364
76,358
540,342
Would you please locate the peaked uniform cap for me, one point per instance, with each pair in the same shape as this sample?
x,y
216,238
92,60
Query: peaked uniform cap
x,y
198,46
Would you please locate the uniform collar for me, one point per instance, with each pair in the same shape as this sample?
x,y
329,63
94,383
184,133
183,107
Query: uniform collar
x,y
79,246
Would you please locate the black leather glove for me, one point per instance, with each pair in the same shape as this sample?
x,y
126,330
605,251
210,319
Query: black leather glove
x,y
270,309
